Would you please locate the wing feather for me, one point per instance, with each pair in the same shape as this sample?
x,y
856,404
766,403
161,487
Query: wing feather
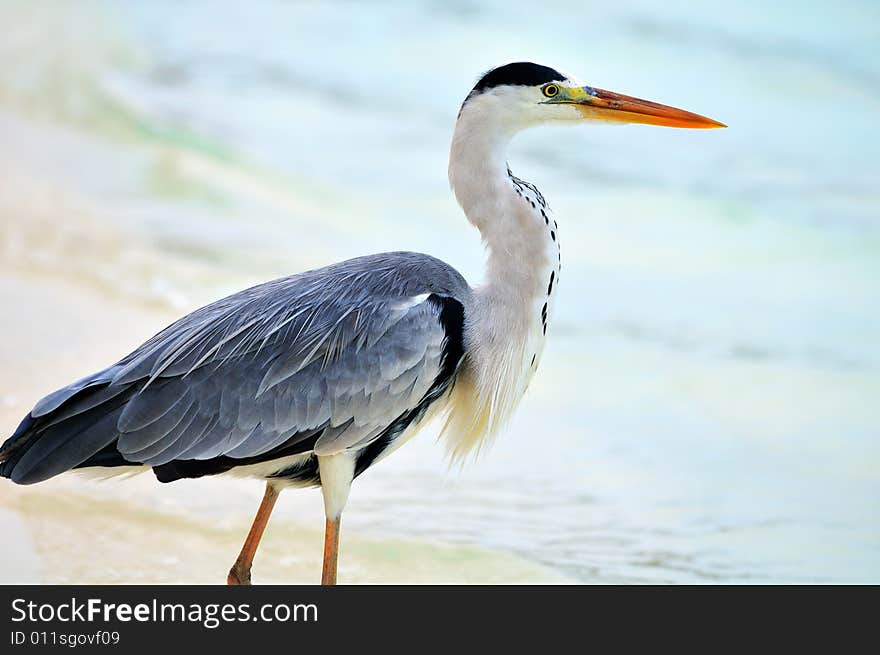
x,y
324,361
345,399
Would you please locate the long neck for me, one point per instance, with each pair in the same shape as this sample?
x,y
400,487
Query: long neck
x,y
506,325
512,217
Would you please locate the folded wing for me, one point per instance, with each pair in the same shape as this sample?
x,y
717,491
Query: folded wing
x,y
323,361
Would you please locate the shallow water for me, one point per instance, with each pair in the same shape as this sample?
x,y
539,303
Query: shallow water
x,y
705,407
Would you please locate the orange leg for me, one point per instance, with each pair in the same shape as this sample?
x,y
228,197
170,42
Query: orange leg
x,y
331,551
240,573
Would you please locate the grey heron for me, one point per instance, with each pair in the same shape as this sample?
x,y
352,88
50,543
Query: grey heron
x,y
309,380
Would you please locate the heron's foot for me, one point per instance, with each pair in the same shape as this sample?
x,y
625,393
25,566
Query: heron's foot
x,y
238,576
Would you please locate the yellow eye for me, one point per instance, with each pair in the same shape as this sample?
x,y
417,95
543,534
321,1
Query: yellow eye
x,y
551,90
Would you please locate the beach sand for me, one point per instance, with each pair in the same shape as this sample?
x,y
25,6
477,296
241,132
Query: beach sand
x,y
75,530
55,535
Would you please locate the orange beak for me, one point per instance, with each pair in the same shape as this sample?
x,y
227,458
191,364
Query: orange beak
x,y
609,106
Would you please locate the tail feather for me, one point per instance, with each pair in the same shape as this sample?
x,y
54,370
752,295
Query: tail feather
x,y
14,442
57,398
64,446
83,402
64,431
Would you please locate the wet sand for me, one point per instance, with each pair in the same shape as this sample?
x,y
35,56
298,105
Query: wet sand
x,y
72,530
57,536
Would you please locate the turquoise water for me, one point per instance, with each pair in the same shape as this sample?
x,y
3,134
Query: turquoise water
x,y
706,408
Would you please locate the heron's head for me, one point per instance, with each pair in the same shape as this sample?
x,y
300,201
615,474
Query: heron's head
x,y
522,94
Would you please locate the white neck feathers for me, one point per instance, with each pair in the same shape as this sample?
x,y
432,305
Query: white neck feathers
x,y
505,332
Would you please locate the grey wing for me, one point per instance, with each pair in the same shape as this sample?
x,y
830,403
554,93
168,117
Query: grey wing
x,y
324,362
336,394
